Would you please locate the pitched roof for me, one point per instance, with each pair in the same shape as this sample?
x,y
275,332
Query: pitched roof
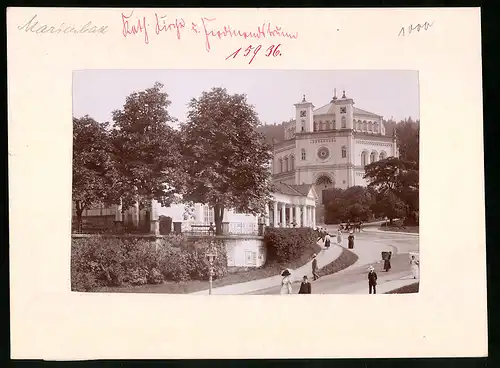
x,y
328,109
303,189
364,112
288,189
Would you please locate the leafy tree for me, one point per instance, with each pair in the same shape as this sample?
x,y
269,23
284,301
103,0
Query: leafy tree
x,y
227,162
408,139
351,204
93,172
146,149
394,176
391,206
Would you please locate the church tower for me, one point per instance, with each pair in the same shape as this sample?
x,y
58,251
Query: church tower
x,y
343,112
304,116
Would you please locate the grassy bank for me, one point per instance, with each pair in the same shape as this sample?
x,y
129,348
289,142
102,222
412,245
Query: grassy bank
x,y
346,259
408,289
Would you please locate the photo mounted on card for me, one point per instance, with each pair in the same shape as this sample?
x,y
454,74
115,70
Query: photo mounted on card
x,y
238,182
181,177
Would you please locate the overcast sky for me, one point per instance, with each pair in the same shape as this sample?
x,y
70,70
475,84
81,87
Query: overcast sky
x,y
273,92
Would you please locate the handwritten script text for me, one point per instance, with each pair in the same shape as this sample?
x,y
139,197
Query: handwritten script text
x,y
33,26
205,27
254,51
415,27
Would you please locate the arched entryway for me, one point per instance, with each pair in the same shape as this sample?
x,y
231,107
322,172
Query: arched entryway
x,y
322,184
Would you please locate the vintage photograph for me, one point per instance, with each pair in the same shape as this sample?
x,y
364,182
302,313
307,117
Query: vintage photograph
x,y
245,182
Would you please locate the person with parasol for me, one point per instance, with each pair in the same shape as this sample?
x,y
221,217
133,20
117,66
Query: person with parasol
x,y
286,282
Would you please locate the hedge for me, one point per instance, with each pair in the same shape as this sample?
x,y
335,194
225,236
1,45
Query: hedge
x,y
288,244
99,261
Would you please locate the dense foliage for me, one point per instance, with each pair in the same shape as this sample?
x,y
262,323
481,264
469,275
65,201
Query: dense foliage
x,y
351,204
227,160
100,261
287,244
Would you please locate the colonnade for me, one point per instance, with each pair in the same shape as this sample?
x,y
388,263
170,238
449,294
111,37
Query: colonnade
x,y
281,214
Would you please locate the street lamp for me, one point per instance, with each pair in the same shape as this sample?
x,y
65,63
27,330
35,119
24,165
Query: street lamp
x,y
210,257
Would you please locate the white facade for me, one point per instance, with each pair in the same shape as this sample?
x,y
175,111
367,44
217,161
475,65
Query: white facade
x,y
329,147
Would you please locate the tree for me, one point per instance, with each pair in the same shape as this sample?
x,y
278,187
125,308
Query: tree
x,y
146,149
392,207
394,176
93,172
351,204
408,134
227,162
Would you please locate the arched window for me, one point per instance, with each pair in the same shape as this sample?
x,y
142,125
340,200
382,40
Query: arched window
x,y
327,123
344,152
364,126
370,126
315,126
303,125
373,157
281,165
321,125
303,154
286,164
343,122
364,158
375,127
292,162
382,156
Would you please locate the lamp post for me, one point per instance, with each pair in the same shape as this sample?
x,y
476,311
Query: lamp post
x,y
210,257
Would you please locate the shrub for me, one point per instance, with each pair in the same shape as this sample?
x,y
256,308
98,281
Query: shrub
x,y
287,244
99,261
408,289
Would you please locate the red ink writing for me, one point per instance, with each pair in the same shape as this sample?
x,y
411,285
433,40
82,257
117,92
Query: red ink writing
x,y
273,50
163,26
139,27
266,30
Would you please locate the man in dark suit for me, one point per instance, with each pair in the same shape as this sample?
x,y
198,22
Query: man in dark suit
x,y
305,286
372,280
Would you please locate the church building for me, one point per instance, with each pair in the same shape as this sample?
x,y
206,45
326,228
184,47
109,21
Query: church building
x,y
329,146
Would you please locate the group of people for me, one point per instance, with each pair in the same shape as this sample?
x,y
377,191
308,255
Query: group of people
x,y
372,275
327,239
286,284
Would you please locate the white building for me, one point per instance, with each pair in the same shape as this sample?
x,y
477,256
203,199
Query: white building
x,y
329,146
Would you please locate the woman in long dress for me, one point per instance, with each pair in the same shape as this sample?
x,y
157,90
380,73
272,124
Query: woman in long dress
x,y
286,283
339,236
414,267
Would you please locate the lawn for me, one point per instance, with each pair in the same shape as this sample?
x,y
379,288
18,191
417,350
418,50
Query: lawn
x,y
403,229
346,259
171,287
408,289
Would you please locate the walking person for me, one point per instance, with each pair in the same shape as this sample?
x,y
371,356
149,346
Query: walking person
x,y
305,286
414,263
327,240
350,240
372,280
286,283
315,268
339,236
386,256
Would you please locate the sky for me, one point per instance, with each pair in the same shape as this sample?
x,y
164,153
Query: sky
x,y
390,93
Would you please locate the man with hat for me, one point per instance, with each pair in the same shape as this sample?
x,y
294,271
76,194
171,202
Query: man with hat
x,y
305,286
372,280
350,240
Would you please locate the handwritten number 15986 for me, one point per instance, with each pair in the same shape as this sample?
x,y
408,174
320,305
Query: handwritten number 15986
x,y
254,50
